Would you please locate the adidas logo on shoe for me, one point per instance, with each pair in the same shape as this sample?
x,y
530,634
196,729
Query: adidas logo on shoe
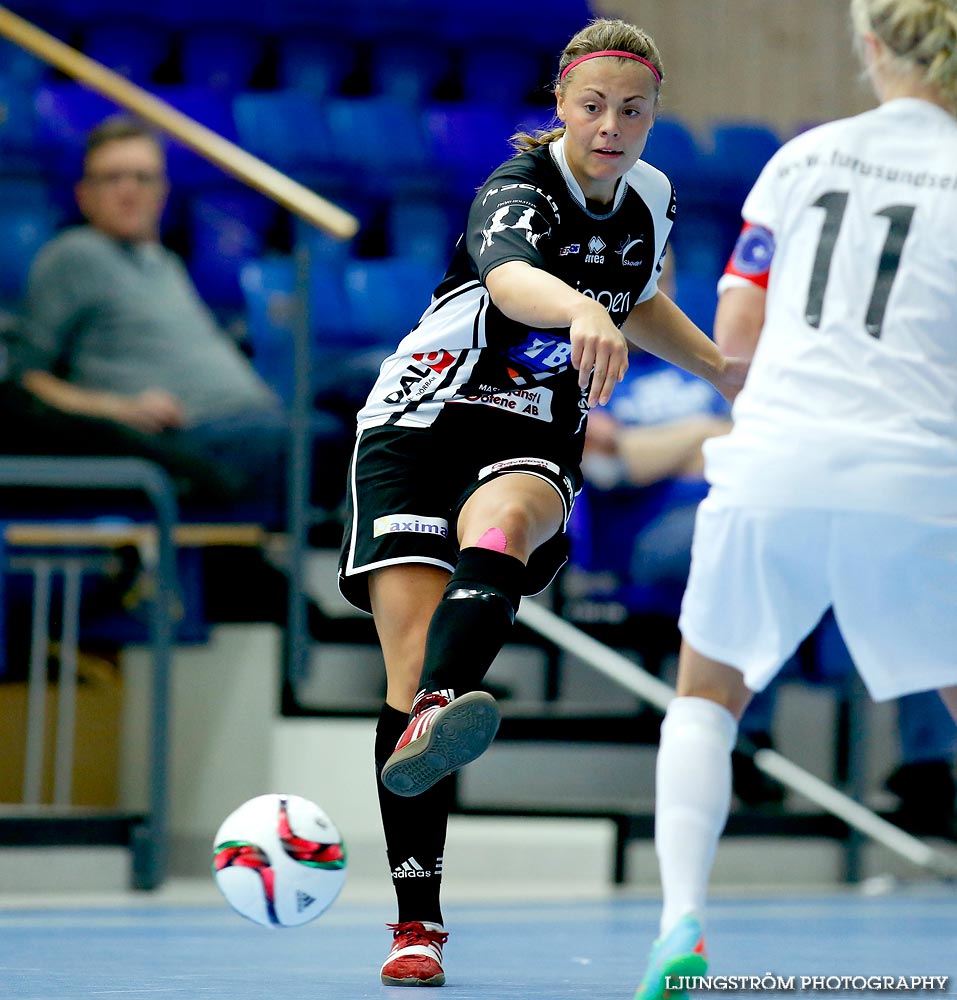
x,y
303,900
410,869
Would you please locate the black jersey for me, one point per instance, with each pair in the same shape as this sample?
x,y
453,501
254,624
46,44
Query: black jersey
x,y
464,350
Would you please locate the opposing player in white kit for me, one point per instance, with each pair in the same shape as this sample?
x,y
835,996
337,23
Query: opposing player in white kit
x,y
838,484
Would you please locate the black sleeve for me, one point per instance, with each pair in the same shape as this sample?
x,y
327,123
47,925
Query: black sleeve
x,y
508,221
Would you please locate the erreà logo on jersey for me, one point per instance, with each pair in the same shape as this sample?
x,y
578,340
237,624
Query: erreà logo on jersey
x,y
595,246
390,524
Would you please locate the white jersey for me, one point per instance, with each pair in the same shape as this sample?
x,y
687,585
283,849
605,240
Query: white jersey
x,y
851,401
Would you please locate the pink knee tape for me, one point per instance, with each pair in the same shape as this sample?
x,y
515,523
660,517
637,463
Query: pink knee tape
x,y
493,539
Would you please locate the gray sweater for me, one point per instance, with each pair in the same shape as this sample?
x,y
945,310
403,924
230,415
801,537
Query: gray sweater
x,y
122,318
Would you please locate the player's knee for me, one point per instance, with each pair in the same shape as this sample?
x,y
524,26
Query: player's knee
x,y
494,539
511,530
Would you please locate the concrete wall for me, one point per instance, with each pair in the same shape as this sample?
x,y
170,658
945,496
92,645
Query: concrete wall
x,y
784,62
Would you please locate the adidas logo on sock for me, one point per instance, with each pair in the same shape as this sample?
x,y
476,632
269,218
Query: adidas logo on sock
x,y
303,900
410,869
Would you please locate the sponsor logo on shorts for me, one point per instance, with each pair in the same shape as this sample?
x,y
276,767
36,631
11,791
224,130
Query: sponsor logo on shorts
x,y
511,463
390,524
535,403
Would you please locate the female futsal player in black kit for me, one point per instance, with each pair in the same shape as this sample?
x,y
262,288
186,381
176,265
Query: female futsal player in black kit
x,y
467,458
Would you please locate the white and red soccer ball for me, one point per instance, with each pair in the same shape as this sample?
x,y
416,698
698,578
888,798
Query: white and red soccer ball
x,y
279,860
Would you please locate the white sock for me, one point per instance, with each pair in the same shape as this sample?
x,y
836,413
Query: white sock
x,y
692,799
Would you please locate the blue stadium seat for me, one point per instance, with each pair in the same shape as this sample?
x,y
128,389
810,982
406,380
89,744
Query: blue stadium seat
x,y
65,114
318,247
387,296
332,325
697,295
468,141
189,171
673,149
30,192
132,49
18,126
220,58
409,69
227,229
286,128
315,65
269,292
271,289
23,231
550,26
421,227
704,237
365,19
19,66
503,71
382,141
739,152
299,17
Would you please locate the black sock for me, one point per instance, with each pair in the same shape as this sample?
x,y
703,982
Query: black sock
x,y
414,830
473,620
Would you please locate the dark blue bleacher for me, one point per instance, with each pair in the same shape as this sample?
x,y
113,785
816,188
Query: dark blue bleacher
x,y
224,59
19,66
387,296
423,227
504,71
382,144
287,128
673,148
227,228
409,69
65,113
18,126
313,64
24,229
467,141
738,154
133,48
269,287
188,171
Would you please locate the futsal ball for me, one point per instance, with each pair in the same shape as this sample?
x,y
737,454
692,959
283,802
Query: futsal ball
x,y
279,860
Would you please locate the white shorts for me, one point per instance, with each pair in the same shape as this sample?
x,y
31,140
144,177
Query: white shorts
x,y
762,578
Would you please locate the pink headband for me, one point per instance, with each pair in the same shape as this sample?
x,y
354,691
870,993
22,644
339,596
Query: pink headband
x,y
610,52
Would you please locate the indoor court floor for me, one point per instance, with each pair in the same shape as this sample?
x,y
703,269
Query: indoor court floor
x,y
146,948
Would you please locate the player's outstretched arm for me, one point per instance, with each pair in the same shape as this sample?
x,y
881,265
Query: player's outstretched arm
x,y
661,328
536,298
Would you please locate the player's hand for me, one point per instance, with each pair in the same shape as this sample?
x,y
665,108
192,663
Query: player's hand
x,y
151,411
730,379
599,352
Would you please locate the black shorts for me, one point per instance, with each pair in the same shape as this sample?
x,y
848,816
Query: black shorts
x,y
407,486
